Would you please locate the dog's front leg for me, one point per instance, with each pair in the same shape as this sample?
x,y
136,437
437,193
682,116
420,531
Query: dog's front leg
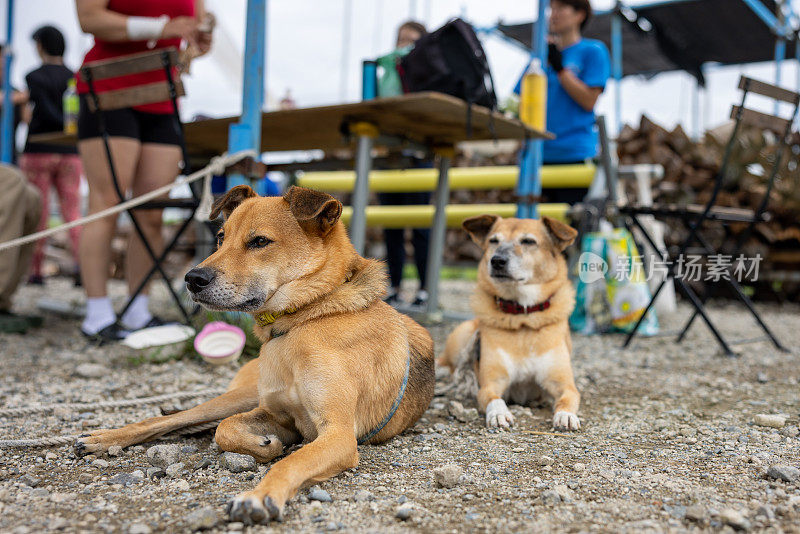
x,y
329,404
237,400
493,380
560,384
332,452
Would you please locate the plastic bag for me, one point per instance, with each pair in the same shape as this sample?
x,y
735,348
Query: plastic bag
x,y
612,290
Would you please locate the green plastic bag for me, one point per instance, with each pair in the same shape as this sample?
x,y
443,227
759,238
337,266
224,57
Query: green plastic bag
x,y
612,290
389,83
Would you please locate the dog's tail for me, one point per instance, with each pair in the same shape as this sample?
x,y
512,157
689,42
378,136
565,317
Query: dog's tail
x,y
461,355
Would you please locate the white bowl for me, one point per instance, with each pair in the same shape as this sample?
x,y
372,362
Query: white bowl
x,y
158,336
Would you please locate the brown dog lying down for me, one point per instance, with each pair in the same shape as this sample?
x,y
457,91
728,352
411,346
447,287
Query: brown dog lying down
x,y
336,359
522,303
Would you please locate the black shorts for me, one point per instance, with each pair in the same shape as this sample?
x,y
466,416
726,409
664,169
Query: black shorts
x,y
128,122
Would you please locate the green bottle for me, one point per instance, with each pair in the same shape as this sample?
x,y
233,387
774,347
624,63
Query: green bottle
x,y
70,106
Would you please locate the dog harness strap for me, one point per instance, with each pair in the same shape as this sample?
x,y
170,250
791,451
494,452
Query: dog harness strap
x,y
515,308
395,406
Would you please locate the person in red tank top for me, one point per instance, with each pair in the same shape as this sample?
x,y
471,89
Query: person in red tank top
x,y
145,144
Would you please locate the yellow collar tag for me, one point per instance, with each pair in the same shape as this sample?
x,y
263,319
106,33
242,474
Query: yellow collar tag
x,y
266,319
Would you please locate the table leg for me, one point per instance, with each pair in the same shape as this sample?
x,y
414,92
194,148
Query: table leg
x,y
358,224
438,229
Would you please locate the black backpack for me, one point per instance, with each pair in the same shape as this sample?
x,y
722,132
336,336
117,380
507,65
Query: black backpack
x,y
450,60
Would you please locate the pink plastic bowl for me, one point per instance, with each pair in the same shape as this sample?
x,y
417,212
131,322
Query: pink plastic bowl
x,y
220,343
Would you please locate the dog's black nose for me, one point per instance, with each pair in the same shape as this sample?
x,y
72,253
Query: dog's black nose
x,y
498,262
198,279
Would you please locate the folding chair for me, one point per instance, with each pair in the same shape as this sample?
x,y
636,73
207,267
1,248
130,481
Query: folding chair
x,y
170,89
693,216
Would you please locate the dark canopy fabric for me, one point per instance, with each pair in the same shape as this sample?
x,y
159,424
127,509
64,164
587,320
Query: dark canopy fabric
x,y
679,35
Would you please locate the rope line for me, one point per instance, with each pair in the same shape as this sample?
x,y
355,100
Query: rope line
x,y
124,403
217,165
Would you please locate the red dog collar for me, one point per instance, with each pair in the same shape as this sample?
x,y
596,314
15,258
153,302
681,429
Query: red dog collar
x,y
515,308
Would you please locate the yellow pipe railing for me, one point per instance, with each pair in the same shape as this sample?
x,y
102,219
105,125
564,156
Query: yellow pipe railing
x,y
422,216
473,178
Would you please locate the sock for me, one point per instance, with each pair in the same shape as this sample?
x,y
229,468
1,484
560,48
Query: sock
x,y
99,314
137,315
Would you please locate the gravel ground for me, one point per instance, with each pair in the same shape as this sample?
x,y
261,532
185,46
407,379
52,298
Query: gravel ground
x,y
671,441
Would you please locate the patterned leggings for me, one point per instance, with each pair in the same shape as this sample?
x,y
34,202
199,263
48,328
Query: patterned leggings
x,y
62,171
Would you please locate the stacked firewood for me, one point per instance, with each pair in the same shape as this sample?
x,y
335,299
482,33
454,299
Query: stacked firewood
x,y
690,169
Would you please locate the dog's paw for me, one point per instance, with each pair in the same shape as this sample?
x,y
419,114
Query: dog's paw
x,y
91,443
498,415
249,509
566,421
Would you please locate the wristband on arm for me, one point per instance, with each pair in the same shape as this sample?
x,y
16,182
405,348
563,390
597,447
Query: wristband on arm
x,y
555,58
145,28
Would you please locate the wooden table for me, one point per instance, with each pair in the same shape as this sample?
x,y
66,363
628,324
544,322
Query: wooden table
x,y
428,119
432,121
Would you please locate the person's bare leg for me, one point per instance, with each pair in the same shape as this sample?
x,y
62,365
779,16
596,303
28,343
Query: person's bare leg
x,y
95,245
158,166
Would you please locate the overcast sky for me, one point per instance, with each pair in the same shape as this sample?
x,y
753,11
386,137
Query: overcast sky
x,y
305,43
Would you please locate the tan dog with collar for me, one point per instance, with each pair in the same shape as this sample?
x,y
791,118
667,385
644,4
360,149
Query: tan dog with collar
x,y
522,304
338,366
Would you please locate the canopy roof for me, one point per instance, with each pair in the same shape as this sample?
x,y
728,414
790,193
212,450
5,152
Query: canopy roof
x,y
679,35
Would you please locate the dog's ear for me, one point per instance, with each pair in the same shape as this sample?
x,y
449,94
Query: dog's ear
x,y
562,234
230,200
316,212
478,227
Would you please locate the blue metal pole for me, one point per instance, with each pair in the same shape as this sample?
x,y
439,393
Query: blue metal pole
x,y
791,20
616,65
767,16
246,134
530,182
7,134
780,54
797,64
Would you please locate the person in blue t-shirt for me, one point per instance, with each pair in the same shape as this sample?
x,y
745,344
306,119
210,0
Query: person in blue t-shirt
x,y
577,71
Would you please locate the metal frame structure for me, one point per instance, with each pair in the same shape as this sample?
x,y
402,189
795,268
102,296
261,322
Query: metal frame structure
x,y
7,121
529,185
530,159
246,134
366,133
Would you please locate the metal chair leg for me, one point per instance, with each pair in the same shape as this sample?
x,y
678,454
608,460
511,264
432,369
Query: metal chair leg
x,y
741,296
686,289
121,196
153,268
751,308
157,266
708,292
650,304
701,310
